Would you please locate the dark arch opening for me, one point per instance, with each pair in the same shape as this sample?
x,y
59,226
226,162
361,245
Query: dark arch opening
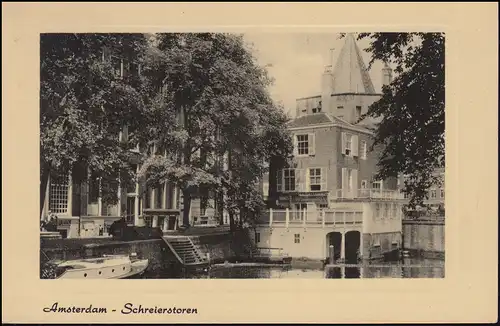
x,y
352,245
334,239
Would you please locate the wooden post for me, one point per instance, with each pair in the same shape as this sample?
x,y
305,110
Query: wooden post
x,y
287,217
342,248
270,217
331,255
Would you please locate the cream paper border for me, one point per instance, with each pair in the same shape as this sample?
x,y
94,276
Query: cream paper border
x,y
467,293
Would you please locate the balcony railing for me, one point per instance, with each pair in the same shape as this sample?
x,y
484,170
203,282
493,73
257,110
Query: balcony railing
x,y
368,194
319,218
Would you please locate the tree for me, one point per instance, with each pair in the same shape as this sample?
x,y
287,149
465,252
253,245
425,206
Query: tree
x,y
411,131
85,101
212,106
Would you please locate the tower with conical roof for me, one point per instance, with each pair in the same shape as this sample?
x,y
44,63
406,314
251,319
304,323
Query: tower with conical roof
x,y
346,87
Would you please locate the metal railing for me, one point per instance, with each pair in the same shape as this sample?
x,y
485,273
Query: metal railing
x,y
322,218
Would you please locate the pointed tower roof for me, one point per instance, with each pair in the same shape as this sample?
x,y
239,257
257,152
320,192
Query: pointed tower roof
x,y
350,74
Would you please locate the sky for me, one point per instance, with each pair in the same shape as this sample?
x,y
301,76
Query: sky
x,y
296,61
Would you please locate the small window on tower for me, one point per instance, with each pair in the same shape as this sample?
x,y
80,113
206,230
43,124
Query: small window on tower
x,y
340,107
358,111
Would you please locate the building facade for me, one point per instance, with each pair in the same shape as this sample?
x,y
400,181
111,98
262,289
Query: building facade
x,y
329,196
80,208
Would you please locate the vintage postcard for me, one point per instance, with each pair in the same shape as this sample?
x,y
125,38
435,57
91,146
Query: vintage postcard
x,y
209,158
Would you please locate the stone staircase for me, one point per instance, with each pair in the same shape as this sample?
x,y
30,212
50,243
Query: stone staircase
x,y
185,251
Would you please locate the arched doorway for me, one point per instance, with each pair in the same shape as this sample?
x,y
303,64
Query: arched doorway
x,y
334,239
352,245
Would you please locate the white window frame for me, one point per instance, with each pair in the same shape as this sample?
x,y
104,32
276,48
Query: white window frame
x,y
322,181
307,144
348,144
377,182
433,193
289,177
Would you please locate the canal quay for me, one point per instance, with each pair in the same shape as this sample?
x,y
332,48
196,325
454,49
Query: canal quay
x,y
215,252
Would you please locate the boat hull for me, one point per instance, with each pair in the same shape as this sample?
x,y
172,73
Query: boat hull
x,y
103,268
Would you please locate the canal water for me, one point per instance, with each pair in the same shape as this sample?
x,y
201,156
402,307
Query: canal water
x,y
408,268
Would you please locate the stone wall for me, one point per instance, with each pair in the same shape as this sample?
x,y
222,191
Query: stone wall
x,y
224,246
376,245
425,236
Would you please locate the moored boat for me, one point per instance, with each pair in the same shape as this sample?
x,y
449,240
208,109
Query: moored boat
x,y
106,267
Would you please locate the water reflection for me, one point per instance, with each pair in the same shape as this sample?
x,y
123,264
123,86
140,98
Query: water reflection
x,y
409,268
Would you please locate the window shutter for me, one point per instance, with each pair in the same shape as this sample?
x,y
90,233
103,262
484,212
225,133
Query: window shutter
x,y
298,179
354,144
312,144
295,146
355,183
343,143
308,180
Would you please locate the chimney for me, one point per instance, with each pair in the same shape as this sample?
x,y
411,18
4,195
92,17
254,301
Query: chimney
x,y
386,74
327,85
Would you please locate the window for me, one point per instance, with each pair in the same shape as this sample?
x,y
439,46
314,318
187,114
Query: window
x,y
433,193
323,206
159,196
377,184
441,192
386,210
364,149
303,144
358,111
315,179
296,238
117,66
94,185
377,210
340,107
289,176
299,213
364,184
257,237
147,199
315,110
58,199
348,144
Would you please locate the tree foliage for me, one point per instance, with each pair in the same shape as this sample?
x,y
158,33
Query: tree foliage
x,y
212,109
84,104
411,131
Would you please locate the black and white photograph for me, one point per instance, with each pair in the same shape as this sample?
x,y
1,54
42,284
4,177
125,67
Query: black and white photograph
x,y
220,155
